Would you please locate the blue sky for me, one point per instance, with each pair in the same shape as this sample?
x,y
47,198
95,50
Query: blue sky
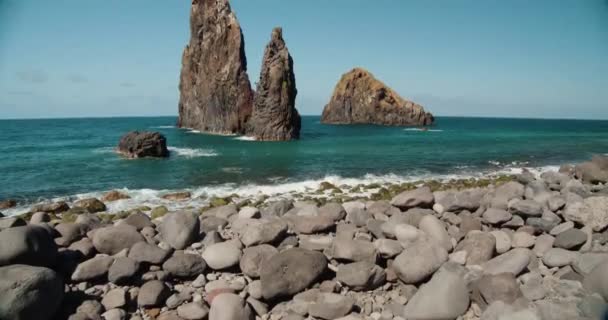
x,y
516,58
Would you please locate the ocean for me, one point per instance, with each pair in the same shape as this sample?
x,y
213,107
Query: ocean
x,y
57,158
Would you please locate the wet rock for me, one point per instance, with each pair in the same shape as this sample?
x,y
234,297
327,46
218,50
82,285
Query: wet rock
x,y
215,94
290,271
177,196
51,207
361,98
112,240
180,229
28,292
275,117
31,245
137,144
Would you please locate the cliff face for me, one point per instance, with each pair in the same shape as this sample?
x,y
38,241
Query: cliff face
x,y
361,98
275,117
215,93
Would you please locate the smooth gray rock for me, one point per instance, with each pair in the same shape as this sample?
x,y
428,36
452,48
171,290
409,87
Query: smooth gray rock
x,y
266,231
544,243
499,287
558,257
112,240
388,248
11,222
359,217
353,250
514,261
496,216
92,269
570,239
556,203
586,262
445,296
291,271
149,253
419,260
436,230
152,293
213,223
333,210
421,197
277,208
479,246
180,229
505,193
455,201
223,255
28,293
591,212
123,270
229,306
253,258
526,208
70,232
330,306
139,220
193,311
363,275
31,245
184,265
115,298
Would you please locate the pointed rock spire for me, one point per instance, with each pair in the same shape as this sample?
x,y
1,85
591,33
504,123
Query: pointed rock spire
x,y
215,92
275,117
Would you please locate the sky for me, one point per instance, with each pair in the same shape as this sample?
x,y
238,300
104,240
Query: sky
x,y
516,58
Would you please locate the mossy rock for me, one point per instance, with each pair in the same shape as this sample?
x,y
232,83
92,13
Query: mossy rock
x,y
218,202
158,212
326,186
144,208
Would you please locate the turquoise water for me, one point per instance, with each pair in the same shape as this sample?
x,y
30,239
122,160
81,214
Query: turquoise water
x,y
60,157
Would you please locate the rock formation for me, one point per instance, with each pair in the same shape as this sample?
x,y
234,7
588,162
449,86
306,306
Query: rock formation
x,y
215,93
361,98
143,144
275,117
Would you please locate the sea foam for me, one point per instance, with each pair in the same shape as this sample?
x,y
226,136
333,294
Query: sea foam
x,y
245,138
423,130
193,153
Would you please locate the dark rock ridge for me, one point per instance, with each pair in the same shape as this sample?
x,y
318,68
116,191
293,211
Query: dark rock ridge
x,y
275,117
215,93
359,98
137,144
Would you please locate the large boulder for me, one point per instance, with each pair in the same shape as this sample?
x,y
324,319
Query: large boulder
x,y
137,144
592,212
290,272
275,117
112,240
420,260
363,275
421,197
445,296
91,205
361,98
31,245
180,229
215,93
594,171
460,200
28,292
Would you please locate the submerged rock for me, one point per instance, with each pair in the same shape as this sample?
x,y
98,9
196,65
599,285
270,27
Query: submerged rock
x,y
361,98
215,93
275,117
137,144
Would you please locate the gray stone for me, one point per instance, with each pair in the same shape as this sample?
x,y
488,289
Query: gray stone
x,y
445,296
114,314
505,193
184,265
312,224
333,210
152,293
150,253
435,230
249,213
31,245
359,217
522,239
40,218
253,258
499,287
291,271
330,306
91,309
527,208
193,311
212,223
28,292
70,232
388,248
92,269
361,276
421,197
562,227
455,201
317,242
558,257
112,240
591,212
503,241
353,250
180,229
419,261
91,205
122,270
496,216
479,247
544,243
514,261
223,255
11,222
115,298
263,231
570,239
277,209
586,262
84,246
229,306
556,203
223,212
139,220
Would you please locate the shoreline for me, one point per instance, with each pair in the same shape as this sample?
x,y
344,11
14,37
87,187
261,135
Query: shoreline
x,y
367,187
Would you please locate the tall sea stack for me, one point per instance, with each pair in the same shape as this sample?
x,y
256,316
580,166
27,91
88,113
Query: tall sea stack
x,y
275,117
215,92
360,98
